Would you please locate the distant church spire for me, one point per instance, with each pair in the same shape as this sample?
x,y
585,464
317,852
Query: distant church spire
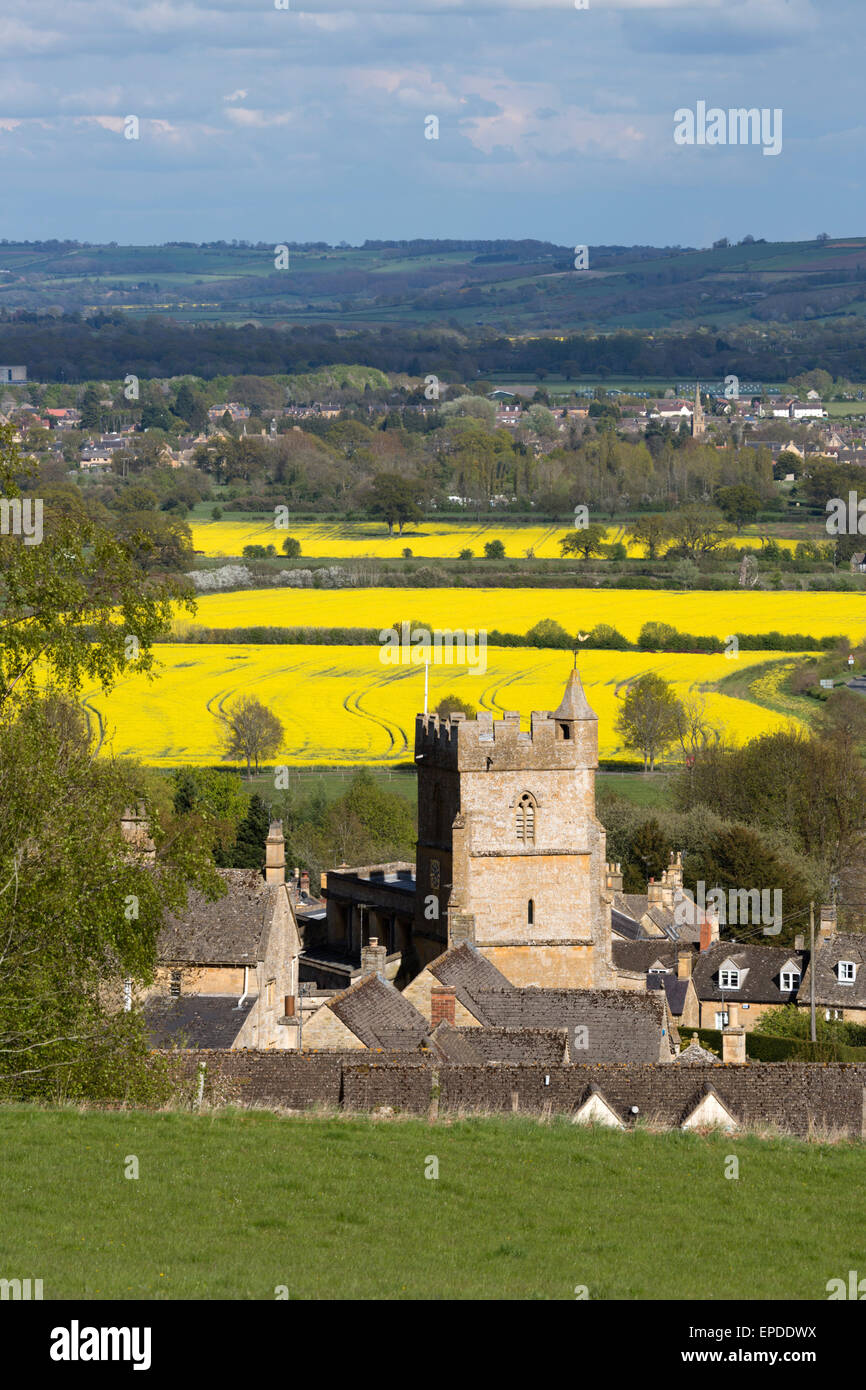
x,y
698,425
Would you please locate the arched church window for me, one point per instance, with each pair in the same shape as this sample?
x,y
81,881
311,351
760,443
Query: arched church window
x,y
530,913
525,821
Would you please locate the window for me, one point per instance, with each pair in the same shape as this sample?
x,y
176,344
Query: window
x,y
526,819
830,1014
722,1019
789,980
729,979
174,987
847,971
269,993
530,913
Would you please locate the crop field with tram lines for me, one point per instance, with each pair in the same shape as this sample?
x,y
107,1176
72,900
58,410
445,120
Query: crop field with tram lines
x,y
341,705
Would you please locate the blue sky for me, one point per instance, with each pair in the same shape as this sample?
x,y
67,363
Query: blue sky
x,y
308,123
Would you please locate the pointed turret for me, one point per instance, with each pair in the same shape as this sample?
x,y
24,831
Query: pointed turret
x,y
574,704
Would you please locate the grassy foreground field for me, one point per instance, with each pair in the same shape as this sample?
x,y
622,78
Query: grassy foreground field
x,y
429,540
236,1204
342,705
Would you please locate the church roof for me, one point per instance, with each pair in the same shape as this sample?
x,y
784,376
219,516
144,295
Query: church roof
x,y
574,704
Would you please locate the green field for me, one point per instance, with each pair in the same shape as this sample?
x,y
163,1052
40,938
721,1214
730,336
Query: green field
x,y
236,1204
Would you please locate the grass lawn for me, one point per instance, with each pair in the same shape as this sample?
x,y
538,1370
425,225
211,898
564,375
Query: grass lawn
x,y
644,789
234,1204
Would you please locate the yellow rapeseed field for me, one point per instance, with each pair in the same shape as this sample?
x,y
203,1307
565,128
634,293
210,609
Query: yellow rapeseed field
x,y
517,610
341,705
430,540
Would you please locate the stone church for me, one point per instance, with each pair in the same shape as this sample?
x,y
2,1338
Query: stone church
x,y
511,855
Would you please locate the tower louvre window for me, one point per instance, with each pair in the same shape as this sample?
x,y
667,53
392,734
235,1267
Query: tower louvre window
x,y
530,912
525,821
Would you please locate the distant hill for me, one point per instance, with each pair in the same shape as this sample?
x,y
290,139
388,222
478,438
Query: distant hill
x,y
516,287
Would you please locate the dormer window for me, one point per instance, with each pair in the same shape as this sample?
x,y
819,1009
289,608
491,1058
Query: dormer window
x,y
789,980
847,972
729,979
525,820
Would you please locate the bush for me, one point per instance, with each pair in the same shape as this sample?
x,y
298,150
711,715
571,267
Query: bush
x,y
291,548
494,550
603,635
465,555
216,514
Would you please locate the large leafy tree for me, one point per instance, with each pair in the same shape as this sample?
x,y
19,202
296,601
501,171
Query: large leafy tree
x,y
395,500
250,731
648,719
70,603
80,908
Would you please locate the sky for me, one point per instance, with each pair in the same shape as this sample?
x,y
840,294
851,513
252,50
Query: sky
x,y
310,122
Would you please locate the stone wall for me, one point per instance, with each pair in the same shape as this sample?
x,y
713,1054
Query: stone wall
x,y
797,1096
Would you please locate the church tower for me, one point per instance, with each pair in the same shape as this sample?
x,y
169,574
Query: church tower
x,y
510,854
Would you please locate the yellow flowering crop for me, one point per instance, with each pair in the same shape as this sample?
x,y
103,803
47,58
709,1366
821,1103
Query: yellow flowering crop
x,y
341,705
517,610
428,540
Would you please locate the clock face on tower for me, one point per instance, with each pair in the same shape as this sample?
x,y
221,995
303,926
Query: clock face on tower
x,y
434,873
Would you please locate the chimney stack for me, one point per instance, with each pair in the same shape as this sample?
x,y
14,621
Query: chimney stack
x,y
800,942
828,922
275,854
613,874
373,958
305,881
655,893
443,999
685,957
734,1038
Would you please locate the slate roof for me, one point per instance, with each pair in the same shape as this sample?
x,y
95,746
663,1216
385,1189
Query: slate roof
x,y
760,985
225,932
640,955
682,924
380,1015
626,926
468,971
546,1046
196,1020
621,1025
828,988
674,988
632,905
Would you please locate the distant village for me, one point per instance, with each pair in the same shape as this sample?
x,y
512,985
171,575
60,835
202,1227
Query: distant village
x,y
708,413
